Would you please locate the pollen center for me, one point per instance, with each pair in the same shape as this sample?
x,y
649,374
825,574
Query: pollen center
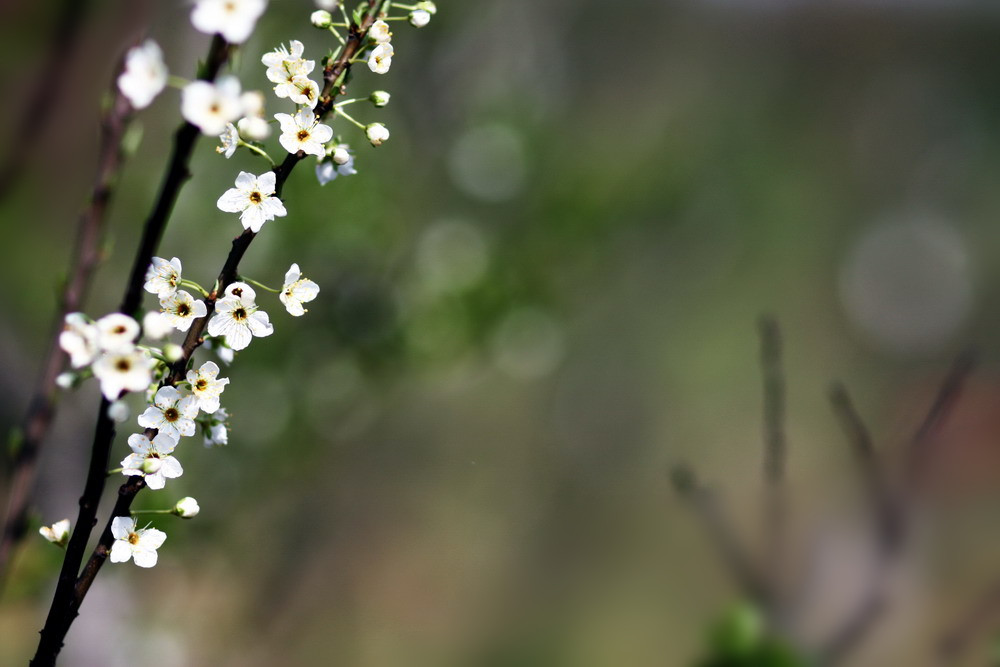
x,y
118,329
123,365
303,135
201,384
256,197
171,414
133,538
183,309
240,314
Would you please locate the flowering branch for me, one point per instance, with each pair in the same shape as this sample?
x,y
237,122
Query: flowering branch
x,y
66,602
86,257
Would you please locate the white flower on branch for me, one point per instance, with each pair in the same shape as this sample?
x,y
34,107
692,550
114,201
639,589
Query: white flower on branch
x,y
229,141
181,309
233,19
376,133
123,371
296,291
241,290
253,198
207,386
156,325
145,75
253,125
187,508
419,18
380,58
380,32
290,71
116,332
130,542
303,90
303,132
172,413
57,533
163,277
239,319
78,339
216,431
152,459
211,106
330,169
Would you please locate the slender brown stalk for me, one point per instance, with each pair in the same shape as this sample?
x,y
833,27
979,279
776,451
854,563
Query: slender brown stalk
x,y
85,259
65,604
61,615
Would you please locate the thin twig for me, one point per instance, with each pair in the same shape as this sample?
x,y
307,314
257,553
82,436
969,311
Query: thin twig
x,y
775,452
707,508
85,259
64,603
38,108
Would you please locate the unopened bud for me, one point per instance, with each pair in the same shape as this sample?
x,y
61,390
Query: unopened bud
x,y
173,352
66,380
187,508
340,155
376,133
379,98
118,411
419,18
427,6
321,18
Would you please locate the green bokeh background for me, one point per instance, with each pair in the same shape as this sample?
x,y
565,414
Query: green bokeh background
x,y
539,295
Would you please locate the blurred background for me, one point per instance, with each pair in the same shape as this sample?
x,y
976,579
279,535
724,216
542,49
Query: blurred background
x,y
539,296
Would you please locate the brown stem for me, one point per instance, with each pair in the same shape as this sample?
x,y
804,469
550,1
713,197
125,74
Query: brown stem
x,y
86,257
65,602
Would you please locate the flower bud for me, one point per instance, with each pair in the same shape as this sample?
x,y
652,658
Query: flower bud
x,y
379,98
187,508
173,352
151,466
328,4
155,325
321,18
419,18
340,155
376,133
66,380
57,533
427,6
118,411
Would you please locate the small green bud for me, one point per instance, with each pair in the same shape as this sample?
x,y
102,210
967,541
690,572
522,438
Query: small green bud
x,y
173,352
379,98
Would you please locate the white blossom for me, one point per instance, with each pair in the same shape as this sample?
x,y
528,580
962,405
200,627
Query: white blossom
x,y
145,75
156,325
229,141
118,411
57,533
289,70
130,542
380,58
116,332
380,32
253,198
303,90
233,19
303,132
240,290
239,319
181,309
123,371
253,125
419,18
296,291
152,459
172,413
78,339
211,106
163,277
187,508
216,431
207,386
376,133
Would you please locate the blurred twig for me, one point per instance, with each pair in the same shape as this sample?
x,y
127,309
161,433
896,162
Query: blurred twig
x,y
706,506
38,107
775,451
86,256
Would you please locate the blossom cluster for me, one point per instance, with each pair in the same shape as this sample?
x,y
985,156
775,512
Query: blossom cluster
x,y
182,397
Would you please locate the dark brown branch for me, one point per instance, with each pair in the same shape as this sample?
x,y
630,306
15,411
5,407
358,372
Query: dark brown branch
x,y
86,257
38,109
65,602
176,175
706,506
775,451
